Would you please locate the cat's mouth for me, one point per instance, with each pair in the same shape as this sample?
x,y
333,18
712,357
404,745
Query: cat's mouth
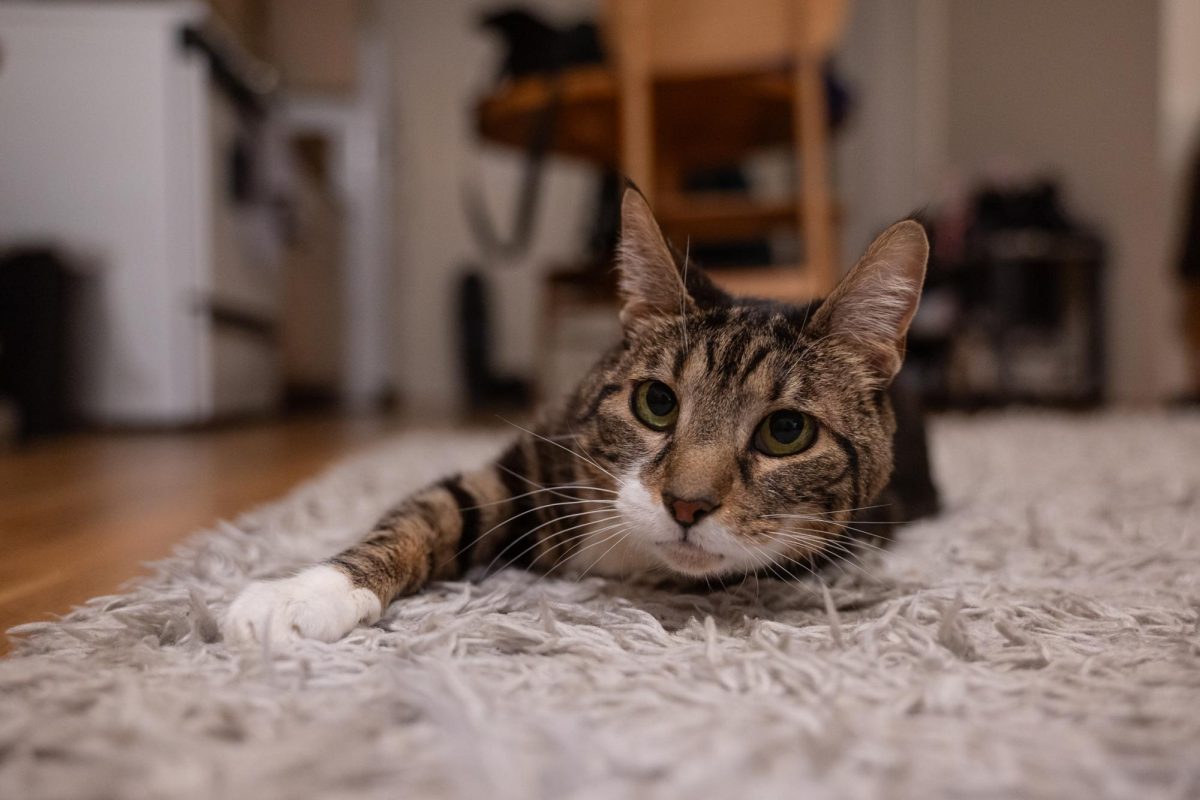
x,y
689,558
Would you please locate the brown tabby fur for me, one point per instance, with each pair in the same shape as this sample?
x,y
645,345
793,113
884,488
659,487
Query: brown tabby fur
x,y
549,500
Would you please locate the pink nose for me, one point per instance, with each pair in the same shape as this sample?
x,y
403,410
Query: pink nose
x,y
688,512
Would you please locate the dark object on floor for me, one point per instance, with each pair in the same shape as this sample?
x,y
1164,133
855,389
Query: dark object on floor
x,y
37,297
1013,306
1189,273
485,388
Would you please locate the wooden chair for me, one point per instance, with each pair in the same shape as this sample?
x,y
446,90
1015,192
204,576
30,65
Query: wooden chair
x,y
695,84
691,76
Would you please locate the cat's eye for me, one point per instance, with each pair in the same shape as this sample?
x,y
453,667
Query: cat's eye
x,y
655,405
785,433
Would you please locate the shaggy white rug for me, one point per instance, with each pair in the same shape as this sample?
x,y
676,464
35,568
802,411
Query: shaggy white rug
x,y
1039,639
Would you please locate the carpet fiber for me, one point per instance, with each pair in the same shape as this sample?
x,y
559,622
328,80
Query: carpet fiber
x,y
1041,638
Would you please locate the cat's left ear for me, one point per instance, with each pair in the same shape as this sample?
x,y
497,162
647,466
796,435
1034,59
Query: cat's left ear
x,y
871,308
650,281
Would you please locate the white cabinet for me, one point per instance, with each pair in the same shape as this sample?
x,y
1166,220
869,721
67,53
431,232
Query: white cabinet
x,y
114,145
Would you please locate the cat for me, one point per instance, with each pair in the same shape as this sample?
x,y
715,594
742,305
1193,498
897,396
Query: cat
x,y
723,437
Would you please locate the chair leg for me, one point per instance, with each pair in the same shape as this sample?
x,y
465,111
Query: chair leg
x,y
811,137
636,113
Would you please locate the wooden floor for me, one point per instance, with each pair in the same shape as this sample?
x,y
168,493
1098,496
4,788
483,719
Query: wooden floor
x,y
78,516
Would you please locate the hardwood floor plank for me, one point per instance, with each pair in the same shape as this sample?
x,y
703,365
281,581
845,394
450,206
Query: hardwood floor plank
x,y
79,516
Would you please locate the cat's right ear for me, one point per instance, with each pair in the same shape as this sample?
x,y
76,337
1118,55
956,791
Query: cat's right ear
x,y
649,280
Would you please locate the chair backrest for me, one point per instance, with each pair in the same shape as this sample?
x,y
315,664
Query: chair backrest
x,y
655,39
688,40
684,37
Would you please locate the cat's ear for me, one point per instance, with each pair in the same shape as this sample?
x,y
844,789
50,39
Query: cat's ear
x,y
871,308
649,279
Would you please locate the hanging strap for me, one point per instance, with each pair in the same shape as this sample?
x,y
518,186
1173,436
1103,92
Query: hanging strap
x,y
494,244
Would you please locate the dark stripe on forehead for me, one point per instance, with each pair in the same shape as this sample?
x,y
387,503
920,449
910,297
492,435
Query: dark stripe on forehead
x,y
733,356
779,385
710,353
468,512
680,357
756,359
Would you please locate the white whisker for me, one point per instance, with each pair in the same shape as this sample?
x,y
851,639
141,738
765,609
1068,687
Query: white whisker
x,y
574,551
805,535
513,559
624,532
552,489
562,447
555,489
846,555
683,294
843,528
504,522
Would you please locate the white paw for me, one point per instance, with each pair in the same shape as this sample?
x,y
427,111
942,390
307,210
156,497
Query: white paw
x,y
319,603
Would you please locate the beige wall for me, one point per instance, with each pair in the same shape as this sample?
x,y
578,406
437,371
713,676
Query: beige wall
x,y
1072,86
877,154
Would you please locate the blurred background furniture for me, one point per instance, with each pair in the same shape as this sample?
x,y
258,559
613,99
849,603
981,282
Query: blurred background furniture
x,y
1013,309
749,76
221,171
134,142
919,132
706,65
35,352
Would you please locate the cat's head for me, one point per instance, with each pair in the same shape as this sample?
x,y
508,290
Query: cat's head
x,y
743,431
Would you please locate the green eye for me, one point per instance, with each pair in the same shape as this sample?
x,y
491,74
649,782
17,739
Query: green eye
x,y
785,433
654,404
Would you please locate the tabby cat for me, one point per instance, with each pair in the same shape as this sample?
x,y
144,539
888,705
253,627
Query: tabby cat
x,y
723,437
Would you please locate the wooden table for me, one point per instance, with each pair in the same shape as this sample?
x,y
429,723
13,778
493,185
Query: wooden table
x,y
756,112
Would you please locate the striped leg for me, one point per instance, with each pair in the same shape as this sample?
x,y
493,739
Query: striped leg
x,y
432,535
496,515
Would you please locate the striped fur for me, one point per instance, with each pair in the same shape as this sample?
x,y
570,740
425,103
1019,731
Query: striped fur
x,y
583,488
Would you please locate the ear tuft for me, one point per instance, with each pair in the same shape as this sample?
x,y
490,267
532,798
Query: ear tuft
x,y
650,283
871,308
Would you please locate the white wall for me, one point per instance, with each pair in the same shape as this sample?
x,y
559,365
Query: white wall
x,y
442,62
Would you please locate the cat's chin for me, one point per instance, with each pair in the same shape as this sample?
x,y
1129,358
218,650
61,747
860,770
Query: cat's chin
x,y
691,559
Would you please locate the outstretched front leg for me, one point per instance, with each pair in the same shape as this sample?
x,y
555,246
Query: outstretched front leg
x,y
504,513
